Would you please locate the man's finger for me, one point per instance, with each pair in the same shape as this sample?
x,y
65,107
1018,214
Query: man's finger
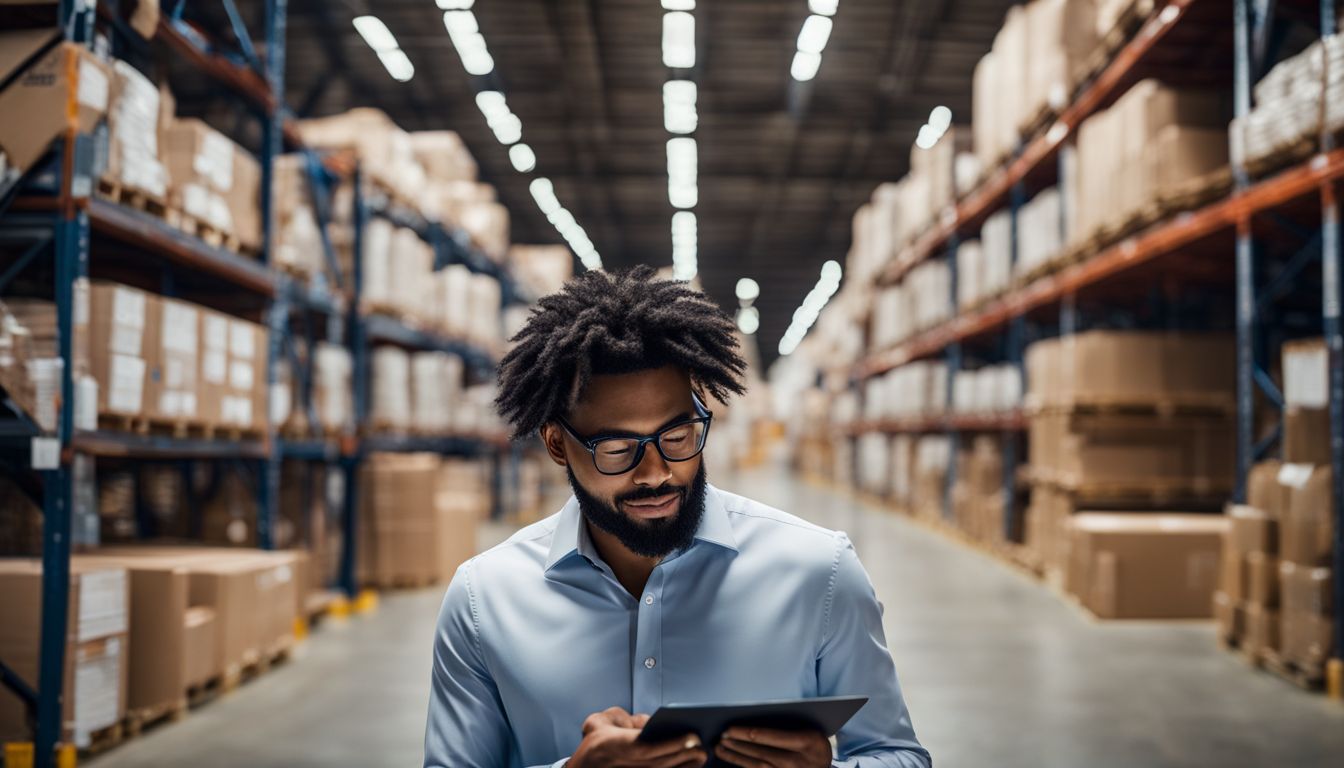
x,y
730,755
681,759
619,717
639,721
794,740
669,748
771,755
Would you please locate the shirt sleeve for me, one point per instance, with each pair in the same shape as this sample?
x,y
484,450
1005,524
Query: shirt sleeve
x,y
466,725
854,661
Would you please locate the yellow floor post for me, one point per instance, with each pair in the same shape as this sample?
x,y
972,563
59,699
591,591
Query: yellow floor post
x,y
339,608
66,757
366,601
1334,679
300,628
19,754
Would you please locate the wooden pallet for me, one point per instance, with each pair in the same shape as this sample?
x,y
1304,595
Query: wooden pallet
x,y
1282,157
139,199
209,233
139,719
1306,678
1168,406
1194,193
118,422
101,741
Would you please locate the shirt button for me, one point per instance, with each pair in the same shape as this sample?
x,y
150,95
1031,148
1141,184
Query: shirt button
x,y
648,599
650,662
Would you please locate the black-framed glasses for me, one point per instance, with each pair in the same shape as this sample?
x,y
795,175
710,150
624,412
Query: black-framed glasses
x,y
618,454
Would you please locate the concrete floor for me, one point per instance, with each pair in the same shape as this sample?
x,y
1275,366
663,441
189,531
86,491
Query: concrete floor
x,y
997,672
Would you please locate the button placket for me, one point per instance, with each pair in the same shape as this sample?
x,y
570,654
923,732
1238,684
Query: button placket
x,y
648,673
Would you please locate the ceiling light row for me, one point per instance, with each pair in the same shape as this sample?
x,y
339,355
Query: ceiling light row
x,y
682,172
679,114
940,119
685,243
812,39
807,314
383,43
678,40
544,193
508,128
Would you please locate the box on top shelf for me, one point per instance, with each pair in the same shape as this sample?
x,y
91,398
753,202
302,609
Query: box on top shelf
x,y
542,268
67,80
385,152
391,395
213,180
444,156
96,646
122,322
298,241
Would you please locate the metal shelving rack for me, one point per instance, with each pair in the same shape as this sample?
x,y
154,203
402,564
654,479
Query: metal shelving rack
x,y
1232,218
52,209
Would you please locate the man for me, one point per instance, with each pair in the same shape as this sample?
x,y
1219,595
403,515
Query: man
x,y
650,586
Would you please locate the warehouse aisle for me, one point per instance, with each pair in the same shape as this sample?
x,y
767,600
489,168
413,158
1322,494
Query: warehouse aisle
x,y
997,672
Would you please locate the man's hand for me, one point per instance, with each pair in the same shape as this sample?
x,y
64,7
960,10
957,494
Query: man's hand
x,y
766,748
611,740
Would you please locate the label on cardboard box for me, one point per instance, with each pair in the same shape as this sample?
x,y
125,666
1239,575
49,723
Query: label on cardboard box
x,y
102,604
216,333
215,366
126,382
179,328
97,690
240,375
241,340
93,86
1295,475
80,310
46,453
215,160
128,321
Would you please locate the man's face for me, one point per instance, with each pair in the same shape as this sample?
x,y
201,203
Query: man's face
x,y
656,507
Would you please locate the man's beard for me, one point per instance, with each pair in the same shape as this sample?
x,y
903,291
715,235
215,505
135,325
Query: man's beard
x,y
647,538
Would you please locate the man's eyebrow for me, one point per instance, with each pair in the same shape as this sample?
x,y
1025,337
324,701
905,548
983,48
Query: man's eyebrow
x,y
610,432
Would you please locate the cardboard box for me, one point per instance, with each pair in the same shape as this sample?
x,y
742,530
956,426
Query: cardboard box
x,y
418,519
121,320
543,268
1252,530
1306,435
1262,629
1306,377
444,155
67,80
174,377
212,384
1146,566
1234,578
133,122
1262,579
1306,531
1179,154
95,650
1230,617
1306,589
201,645
200,163
1264,491
1306,639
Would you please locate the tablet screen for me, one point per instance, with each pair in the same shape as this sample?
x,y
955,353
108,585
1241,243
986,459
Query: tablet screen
x,y
709,721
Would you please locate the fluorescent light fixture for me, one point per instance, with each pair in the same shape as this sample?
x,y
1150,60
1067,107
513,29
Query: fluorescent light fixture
x,y
807,314
679,40
523,158
816,31
508,129
456,5
492,104
460,25
805,66
544,193
823,7
679,5
397,64
831,271
940,119
927,137
562,220
748,320
375,33
679,115
748,289
682,189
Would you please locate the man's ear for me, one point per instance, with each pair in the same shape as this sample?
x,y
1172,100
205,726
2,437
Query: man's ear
x,y
554,440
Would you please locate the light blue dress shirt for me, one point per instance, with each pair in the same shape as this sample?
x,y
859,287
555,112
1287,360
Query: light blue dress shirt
x,y
536,634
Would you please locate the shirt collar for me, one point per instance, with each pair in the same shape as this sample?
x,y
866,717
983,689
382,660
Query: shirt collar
x,y
571,535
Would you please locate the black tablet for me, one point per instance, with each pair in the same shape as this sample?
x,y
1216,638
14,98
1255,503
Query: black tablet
x,y
709,721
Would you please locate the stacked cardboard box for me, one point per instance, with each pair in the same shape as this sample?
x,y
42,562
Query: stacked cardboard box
x,y
68,81
385,152
1295,102
436,384
332,381
987,391
122,321
920,301
1125,420
544,269
96,646
910,391
31,366
977,496
418,516
1246,604
298,241
932,460
213,180
1041,231
134,123
1137,157
1145,566
391,396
